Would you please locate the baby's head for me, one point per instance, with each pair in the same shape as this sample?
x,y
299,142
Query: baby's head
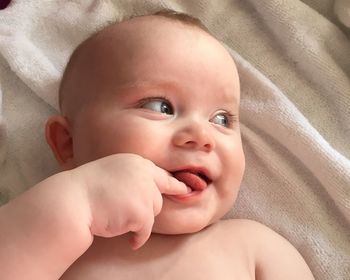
x,y
162,87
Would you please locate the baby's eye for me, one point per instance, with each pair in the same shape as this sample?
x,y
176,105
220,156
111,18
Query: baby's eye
x,y
158,105
224,119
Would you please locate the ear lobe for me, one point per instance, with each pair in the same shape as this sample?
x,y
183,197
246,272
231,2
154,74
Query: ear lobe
x,y
60,140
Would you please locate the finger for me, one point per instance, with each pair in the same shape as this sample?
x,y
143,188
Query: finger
x,y
157,202
140,237
167,184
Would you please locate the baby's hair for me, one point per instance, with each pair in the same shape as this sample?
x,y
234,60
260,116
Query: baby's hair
x,y
179,16
166,13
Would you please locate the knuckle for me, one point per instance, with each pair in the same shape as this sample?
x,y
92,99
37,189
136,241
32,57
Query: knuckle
x,y
138,217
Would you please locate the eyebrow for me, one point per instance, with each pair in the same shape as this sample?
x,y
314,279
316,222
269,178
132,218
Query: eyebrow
x,y
171,86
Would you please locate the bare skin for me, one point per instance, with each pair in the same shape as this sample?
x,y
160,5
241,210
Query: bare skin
x,y
250,251
150,143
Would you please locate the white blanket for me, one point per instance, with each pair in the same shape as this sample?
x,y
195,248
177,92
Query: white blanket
x,y
294,62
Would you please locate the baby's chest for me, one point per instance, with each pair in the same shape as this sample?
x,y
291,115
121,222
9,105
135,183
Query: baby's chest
x,y
168,265
207,267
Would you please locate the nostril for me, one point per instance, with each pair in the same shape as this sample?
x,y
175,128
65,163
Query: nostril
x,y
194,137
190,143
208,146
198,145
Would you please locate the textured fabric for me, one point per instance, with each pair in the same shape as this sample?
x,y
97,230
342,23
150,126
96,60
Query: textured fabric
x,y
294,62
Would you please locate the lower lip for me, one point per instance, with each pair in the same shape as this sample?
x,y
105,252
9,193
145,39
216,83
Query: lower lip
x,y
190,197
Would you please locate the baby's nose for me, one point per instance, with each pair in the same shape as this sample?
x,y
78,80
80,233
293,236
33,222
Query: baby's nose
x,y
194,135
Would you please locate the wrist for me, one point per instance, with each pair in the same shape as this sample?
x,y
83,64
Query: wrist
x,y
70,204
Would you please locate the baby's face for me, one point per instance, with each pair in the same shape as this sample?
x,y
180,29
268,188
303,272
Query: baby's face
x,y
170,93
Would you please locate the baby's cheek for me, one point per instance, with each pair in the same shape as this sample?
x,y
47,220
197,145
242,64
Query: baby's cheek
x,y
234,170
132,138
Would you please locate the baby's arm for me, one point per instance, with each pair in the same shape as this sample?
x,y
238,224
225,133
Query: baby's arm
x,y
44,230
277,259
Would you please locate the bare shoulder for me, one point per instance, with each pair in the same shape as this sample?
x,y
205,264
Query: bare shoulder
x,y
275,257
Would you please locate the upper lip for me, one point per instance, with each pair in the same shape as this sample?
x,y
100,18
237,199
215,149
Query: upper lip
x,y
201,171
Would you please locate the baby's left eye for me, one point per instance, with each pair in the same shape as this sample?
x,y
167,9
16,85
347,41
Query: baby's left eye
x,y
224,119
160,105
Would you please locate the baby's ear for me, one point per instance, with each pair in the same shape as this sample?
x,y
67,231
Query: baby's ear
x,y
59,138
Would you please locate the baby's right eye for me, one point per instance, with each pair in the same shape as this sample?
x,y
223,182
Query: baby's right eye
x,y
160,105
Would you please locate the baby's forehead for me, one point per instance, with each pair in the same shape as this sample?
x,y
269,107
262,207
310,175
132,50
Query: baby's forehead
x,y
135,34
105,51
135,31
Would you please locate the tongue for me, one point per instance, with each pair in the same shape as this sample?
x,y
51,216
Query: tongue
x,y
195,182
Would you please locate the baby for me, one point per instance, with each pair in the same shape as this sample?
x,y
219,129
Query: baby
x,y
149,141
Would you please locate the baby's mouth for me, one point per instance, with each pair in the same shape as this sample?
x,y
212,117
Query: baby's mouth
x,y
196,180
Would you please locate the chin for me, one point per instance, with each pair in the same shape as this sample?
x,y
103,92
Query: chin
x,y
178,230
179,227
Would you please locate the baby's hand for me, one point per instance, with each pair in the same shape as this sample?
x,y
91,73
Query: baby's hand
x,y
125,194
